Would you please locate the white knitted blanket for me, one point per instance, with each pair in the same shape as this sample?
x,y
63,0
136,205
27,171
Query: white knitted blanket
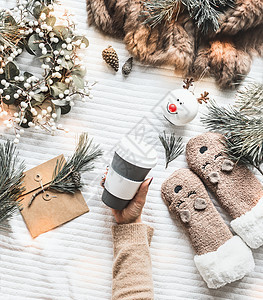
x,y
74,261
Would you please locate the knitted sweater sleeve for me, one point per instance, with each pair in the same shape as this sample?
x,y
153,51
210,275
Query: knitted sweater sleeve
x,y
132,274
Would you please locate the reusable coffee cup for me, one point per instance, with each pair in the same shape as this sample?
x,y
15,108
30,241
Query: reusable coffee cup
x,y
132,161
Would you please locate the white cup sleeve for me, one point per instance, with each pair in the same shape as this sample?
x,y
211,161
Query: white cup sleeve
x,y
121,187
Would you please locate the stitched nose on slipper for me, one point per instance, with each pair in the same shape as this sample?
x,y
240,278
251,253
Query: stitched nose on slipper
x,y
214,177
227,165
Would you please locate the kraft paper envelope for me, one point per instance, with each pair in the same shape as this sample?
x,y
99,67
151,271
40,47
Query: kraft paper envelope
x,y
51,208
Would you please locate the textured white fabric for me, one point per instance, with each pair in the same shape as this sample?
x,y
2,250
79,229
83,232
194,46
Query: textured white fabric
x,y
230,262
74,261
250,226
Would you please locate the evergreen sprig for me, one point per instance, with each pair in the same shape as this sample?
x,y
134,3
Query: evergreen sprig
x,y
173,147
241,125
250,99
65,172
9,30
161,10
11,175
205,13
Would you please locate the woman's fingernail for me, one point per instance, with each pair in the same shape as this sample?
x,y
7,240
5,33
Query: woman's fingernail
x,y
150,181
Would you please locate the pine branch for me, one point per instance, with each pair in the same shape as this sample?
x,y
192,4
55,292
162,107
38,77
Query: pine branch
x,y
173,148
11,175
250,99
161,10
9,30
64,175
205,13
243,132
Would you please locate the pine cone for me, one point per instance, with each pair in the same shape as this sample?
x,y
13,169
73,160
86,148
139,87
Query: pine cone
x,y
111,57
76,177
127,67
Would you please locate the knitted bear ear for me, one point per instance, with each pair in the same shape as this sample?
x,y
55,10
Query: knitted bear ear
x,y
214,177
227,165
185,215
200,204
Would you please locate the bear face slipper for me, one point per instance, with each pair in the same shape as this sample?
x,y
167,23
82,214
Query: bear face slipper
x,y
221,257
234,185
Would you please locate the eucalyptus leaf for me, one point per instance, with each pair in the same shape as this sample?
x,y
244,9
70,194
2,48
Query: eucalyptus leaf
x,y
51,21
29,117
58,88
78,81
39,98
67,64
83,39
61,31
27,75
59,102
28,48
65,109
58,112
46,10
11,70
78,71
33,43
2,76
9,91
37,11
45,56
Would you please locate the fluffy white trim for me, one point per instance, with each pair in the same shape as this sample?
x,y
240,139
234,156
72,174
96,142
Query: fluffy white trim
x,y
250,226
230,262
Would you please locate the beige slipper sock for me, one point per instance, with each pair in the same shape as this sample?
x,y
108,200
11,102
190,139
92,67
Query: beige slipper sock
x,y
221,257
235,186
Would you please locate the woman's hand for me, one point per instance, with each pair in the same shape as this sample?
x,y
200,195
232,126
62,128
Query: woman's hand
x,y
132,213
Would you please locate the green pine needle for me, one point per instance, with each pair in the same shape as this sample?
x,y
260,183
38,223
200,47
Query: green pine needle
x,y
161,10
11,175
9,30
81,161
250,99
205,13
242,126
173,148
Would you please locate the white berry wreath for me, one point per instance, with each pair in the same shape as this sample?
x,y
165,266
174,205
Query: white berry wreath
x,y
33,26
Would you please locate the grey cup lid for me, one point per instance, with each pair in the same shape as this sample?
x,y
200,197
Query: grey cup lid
x,y
135,151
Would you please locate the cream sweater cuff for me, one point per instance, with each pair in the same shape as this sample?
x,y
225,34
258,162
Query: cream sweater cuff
x,y
134,233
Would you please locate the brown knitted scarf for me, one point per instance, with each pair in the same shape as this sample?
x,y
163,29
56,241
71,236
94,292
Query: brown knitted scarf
x,y
227,55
